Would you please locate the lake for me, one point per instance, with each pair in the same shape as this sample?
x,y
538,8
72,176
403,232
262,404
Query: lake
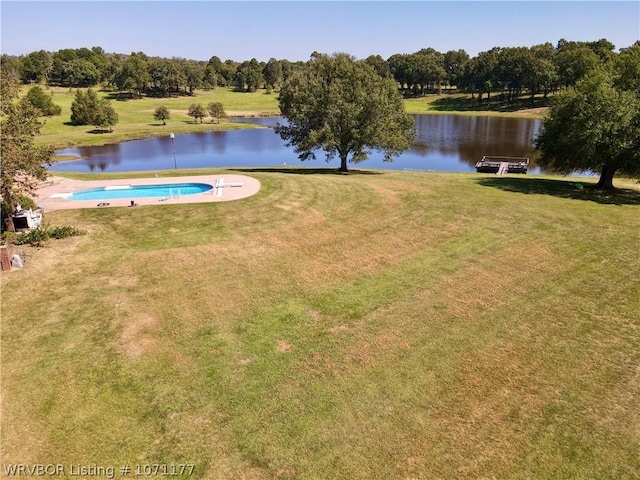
x,y
451,143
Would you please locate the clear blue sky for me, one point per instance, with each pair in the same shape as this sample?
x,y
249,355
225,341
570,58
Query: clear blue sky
x,y
241,30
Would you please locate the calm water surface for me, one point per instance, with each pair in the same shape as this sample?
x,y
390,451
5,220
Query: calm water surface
x,y
443,143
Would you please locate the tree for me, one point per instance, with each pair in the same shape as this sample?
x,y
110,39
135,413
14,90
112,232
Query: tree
x,y
36,67
197,112
593,126
482,73
22,161
43,102
272,73
88,109
162,113
105,115
134,74
454,64
379,65
193,75
80,73
216,110
575,63
84,107
248,76
344,108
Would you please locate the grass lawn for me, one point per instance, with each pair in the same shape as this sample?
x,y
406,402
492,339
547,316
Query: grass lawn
x,y
463,104
135,116
377,325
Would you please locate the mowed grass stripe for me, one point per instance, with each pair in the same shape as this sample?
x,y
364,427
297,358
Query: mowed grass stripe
x,y
367,326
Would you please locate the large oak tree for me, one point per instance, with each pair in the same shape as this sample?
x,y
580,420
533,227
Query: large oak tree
x,y
344,108
593,127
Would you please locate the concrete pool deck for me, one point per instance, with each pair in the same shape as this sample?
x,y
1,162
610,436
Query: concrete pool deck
x,y
47,194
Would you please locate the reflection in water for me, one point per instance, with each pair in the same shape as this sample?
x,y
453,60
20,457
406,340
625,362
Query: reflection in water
x,y
443,143
470,138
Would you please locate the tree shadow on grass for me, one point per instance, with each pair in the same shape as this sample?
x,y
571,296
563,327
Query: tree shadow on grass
x,y
563,189
494,104
99,131
306,171
121,96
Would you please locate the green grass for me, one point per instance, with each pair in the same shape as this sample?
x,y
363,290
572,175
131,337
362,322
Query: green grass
x,y
463,104
136,116
388,325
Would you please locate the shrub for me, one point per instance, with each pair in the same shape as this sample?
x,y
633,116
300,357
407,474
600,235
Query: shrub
x,y
35,237
65,232
38,236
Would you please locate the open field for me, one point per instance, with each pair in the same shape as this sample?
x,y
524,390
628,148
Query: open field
x,y
376,325
136,115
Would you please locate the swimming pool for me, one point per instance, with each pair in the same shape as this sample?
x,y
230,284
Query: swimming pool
x,y
114,192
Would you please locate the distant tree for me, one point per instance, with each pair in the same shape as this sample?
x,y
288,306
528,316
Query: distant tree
x,y
248,76
514,70
167,76
272,73
484,73
345,109
216,110
36,67
215,64
575,63
162,113
379,65
210,78
197,112
105,116
133,75
289,67
84,107
213,73
428,70
43,102
80,73
111,69
400,69
10,65
59,62
454,64
544,77
98,57
227,72
593,126
193,74
22,161
603,48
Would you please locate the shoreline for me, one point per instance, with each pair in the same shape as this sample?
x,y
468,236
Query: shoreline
x,y
202,127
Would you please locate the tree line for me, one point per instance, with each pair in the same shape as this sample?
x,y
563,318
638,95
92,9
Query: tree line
x,y
516,71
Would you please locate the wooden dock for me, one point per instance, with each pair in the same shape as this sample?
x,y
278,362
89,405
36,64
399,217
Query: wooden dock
x,y
502,165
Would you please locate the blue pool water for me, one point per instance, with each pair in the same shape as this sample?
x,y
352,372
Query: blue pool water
x,y
140,191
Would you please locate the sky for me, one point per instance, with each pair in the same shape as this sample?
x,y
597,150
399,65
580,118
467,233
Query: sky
x,y
241,30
